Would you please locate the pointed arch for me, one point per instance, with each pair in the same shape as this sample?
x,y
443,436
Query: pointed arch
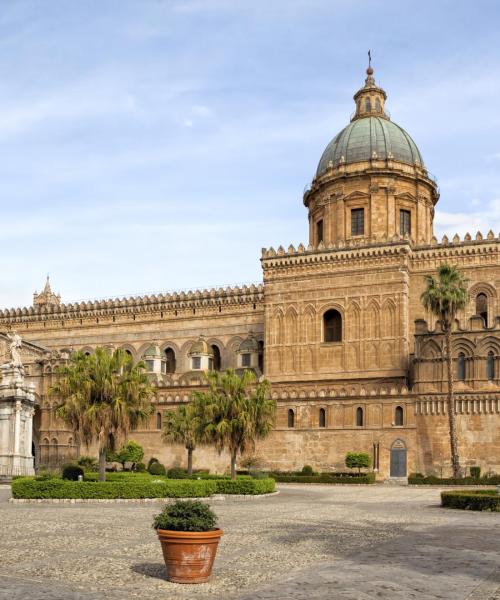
x,y
310,324
291,325
372,320
353,321
278,327
389,318
431,350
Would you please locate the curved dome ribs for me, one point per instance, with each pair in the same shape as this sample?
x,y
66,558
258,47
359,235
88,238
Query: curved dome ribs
x,y
368,135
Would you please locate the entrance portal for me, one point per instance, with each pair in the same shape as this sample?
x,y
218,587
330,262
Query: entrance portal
x,y
398,459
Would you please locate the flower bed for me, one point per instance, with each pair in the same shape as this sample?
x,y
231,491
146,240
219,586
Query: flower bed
x,y
136,487
353,478
471,500
415,479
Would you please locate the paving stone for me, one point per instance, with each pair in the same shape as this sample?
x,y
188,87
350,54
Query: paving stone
x,y
312,542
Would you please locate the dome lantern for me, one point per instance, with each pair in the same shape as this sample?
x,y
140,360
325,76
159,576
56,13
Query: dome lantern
x,y
370,99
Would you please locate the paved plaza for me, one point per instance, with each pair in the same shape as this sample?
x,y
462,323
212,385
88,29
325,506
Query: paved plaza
x,y
344,542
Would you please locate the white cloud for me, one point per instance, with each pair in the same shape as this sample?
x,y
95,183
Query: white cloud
x,y
469,222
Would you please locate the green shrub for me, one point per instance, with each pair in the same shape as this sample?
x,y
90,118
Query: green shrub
x,y
307,470
121,476
471,500
245,485
88,463
45,474
157,468
258,474
251,462
475,472
186,515
72,472
28,487
140,467
151,461
357,460
353,478
433,480
131,452
177,473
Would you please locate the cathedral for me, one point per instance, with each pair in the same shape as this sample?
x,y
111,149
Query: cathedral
x,y
337,326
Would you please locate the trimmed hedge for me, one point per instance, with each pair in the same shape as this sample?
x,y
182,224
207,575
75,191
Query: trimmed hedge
x,y
417,479
128,485
245,486
471,500
58,488
325,478
124,476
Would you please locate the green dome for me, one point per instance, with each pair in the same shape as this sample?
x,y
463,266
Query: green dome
x,y
370,138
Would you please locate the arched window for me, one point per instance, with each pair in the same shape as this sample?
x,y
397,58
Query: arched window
x,y
332,326
322,417
291,418
169,360
359,417
377,105
461,367
217,361
398,416
158,420
368,105
482,307
490,366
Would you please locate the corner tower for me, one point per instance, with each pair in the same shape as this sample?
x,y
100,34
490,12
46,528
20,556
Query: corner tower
x,y
371,184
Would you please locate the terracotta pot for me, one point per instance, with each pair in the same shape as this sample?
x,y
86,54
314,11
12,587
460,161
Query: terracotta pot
x,y
189,555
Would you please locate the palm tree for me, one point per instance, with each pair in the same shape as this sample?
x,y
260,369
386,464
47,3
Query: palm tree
x,y
444,297
234,412
104,395
180,427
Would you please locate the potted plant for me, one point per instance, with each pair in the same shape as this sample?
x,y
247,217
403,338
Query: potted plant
x,y
189,539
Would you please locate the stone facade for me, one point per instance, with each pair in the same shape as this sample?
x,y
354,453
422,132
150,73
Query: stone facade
x,y
337,326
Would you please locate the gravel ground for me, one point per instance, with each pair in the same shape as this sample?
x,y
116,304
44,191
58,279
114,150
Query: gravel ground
x,y
92,551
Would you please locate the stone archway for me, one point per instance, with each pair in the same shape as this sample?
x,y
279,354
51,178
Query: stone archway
x,y
398,459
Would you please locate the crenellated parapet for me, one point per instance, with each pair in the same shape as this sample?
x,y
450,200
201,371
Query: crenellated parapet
x,y
343,252
169,302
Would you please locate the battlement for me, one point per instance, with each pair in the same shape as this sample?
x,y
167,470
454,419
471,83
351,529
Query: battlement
x,y
246,294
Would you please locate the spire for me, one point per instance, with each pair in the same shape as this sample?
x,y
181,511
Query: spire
x,y
370,99
46,297
46,289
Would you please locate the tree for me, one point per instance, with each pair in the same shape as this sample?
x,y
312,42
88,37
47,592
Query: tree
x,y
444,297
104,395
130,452
181,427
357,460
234,412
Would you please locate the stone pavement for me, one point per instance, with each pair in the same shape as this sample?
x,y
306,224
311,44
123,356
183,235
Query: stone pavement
x,y
308,542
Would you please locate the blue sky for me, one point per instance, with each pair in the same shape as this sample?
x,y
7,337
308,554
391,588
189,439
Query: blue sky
x,y
150,145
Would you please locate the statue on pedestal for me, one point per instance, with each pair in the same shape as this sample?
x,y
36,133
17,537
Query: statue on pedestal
x,y
15,346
